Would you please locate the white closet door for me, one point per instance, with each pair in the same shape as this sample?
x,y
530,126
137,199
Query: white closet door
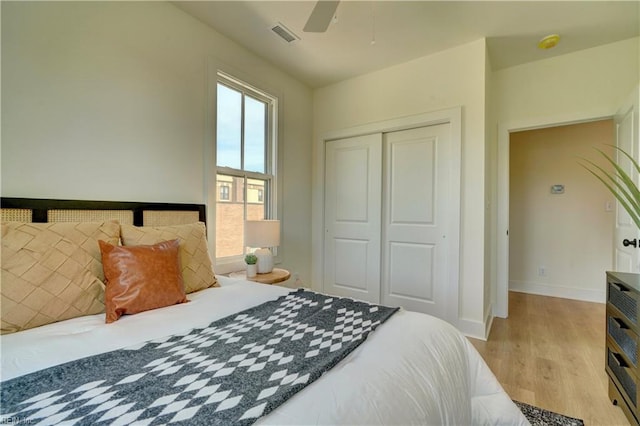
x,y
353,187
415,267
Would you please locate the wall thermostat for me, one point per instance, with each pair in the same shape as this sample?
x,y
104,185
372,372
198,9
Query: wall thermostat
x,y
557,189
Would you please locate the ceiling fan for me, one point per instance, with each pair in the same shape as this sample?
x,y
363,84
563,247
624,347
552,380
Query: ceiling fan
x,y
321,16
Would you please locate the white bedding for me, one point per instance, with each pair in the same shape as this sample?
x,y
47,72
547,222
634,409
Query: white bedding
x,y
414,369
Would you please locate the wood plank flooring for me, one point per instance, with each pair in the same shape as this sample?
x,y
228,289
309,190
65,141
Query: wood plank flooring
x,y
550,352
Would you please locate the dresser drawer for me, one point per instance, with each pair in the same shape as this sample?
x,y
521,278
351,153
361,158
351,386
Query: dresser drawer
x,y
617,399
623,337
620,296
623,375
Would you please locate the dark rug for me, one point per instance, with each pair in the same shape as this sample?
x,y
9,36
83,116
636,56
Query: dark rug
x,y
540,417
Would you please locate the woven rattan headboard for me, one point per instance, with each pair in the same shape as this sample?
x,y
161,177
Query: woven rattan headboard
x,y
126,212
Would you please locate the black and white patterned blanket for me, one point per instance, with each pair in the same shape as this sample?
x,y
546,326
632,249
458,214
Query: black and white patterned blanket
x,y
232,372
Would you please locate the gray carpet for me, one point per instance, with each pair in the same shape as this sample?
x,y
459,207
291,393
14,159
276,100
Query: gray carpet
x,y
540,417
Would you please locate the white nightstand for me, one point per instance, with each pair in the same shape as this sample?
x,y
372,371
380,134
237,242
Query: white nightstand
x,y
276,276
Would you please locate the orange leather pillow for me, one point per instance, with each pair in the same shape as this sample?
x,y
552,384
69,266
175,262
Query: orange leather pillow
x,y
141,278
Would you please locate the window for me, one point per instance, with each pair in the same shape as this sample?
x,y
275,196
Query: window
x,y
224,192
245,157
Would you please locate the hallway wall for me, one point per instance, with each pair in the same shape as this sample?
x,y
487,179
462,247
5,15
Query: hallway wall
x,y
560,244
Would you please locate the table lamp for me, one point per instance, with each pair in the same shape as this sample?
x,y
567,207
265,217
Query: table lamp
x,y
263,234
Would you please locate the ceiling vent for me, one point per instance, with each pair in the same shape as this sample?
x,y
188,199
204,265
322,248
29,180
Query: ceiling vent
x,y
284,33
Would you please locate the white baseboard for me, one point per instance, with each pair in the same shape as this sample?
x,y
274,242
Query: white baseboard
x,y
471,328
481,329
564,292
488,322
477,329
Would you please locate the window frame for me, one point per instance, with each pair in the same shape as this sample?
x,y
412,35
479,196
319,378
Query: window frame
x,y
270,198
225,193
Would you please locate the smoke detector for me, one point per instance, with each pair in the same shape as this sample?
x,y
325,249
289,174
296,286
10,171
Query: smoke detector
x,y
549,42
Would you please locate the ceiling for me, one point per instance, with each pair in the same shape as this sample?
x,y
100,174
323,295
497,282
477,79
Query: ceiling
x,y
405,30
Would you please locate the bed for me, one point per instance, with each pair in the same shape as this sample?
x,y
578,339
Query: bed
x,y
400,367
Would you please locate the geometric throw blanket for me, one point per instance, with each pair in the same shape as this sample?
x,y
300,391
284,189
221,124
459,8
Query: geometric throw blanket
x,y
233,371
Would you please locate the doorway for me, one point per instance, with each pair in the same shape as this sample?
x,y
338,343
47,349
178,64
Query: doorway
x,y
560,217
501,294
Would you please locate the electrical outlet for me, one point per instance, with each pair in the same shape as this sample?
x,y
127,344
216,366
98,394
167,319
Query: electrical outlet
x,y
542,271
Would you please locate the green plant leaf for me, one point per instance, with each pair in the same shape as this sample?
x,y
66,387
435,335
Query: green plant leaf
x,y
622,191
251,259
636,165
635,214
633,192
619,183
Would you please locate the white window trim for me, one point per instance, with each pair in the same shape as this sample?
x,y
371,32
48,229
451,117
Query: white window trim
x,y
234,263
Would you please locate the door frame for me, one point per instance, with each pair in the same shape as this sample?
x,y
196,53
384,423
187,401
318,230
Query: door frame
x,y
631,105
501,297
452,116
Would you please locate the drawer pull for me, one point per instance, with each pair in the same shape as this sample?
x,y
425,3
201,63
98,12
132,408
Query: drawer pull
x,y
618,360
618,287
619,323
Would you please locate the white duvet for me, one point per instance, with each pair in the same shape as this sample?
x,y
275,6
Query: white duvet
x,y
413,369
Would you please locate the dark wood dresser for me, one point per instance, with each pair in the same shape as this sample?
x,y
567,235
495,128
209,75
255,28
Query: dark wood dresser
x,y
623,314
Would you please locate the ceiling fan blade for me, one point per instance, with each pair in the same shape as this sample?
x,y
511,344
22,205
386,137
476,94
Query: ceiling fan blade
x,y
321,16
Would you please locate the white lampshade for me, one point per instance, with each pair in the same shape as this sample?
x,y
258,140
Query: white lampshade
x,y
262,233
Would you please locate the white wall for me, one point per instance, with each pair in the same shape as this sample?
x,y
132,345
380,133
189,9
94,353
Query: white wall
x,y
112,100
491,147
455,77
589,83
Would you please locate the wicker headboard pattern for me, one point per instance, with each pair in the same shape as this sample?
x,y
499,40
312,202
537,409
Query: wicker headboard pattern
x,y
125,212
54,271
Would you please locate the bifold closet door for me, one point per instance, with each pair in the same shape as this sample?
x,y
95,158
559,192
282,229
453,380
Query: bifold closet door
x,y
353,197
415,219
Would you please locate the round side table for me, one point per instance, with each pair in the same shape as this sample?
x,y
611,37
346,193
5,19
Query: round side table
x,y
276,276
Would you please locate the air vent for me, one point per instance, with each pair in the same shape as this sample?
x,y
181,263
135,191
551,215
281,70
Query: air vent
x,y
284,33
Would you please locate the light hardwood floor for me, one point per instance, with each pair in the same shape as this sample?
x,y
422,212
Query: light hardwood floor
x,y
550,352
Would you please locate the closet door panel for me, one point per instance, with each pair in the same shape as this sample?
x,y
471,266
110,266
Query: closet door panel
x,y
351,193
411,182
415,269
350,262
411,271
352,217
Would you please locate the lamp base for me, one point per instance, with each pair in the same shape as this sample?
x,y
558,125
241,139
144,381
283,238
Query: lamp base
x,y
265,260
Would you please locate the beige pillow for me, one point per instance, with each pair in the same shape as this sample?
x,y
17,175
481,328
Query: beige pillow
x,y
197,271
52,271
